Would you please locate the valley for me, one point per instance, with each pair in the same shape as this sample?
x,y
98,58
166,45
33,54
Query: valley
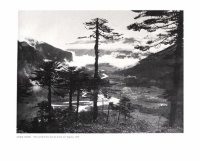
x,y
146,104
126,75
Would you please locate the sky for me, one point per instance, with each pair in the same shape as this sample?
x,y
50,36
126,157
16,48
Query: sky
x,y
62,28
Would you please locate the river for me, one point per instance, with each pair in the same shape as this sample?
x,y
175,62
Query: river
x,y
86,105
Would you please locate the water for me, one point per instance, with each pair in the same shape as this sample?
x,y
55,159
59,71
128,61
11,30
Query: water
x,y
86,105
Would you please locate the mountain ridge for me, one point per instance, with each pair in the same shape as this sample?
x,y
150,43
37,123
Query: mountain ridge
x,y
32,54
156,69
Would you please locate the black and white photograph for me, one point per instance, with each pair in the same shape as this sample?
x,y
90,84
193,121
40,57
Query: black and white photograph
x,y
100,71
99,80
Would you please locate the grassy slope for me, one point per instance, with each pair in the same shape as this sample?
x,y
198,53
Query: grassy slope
x,y
157,70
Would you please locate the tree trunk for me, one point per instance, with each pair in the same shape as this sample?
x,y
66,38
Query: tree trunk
x,y
119,115
77,105
49,96
102,104
108,113
96,76
70,99
177,76
95,110
96,49
49,101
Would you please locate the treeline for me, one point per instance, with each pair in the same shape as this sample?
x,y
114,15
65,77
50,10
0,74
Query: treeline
x,y
63,80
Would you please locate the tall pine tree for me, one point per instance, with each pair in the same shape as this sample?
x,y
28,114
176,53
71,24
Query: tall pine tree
x,y
99,29
171,23
46,76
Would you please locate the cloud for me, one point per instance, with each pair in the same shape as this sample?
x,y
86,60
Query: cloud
x,y
130,41
111,59
86,41
108,41
81,42
103,44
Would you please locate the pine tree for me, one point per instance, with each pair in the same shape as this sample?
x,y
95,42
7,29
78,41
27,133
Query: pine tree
x,y
24,88
46,77
82,82
171,22
66,81
73,79
99,29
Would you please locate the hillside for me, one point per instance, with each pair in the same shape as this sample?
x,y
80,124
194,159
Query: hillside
x,y
158,70
31,55
50,52
155,70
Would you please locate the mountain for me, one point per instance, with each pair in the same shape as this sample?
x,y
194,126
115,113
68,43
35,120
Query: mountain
x,y
158,70
32,54
50,52
42,50
155,70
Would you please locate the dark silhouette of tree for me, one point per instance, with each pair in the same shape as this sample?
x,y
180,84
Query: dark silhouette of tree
x,y
171,22
24,88
82,83
123,108
41,121
72,83
46,77
66,81
110,106
119,109
99,29
107,91
73,79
